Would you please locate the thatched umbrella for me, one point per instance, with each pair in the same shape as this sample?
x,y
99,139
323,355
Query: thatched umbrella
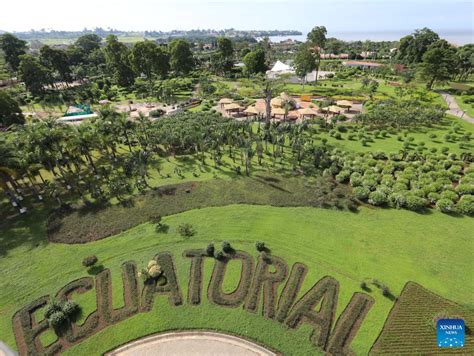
x,y
232,107
226,101
333,109
277,102
278,111
251,110
346,104
307,112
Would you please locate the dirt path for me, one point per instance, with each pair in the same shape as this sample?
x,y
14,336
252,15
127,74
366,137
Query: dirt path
x,y
191,343
454,108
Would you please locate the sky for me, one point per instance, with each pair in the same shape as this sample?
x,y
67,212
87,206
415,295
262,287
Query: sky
x,y
337,15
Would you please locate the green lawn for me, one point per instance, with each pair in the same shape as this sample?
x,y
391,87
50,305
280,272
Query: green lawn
x,y
392,144
394,246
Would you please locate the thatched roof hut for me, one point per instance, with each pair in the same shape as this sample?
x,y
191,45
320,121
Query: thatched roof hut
x,y
251,110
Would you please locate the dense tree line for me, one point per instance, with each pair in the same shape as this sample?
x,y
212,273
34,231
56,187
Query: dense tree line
x,y
112,156
89,57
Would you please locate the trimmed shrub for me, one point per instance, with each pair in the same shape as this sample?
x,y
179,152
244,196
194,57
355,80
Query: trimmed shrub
x,y
260,246
415,203
57,319
445,206
386,292
219,255
464,189
433,197
343,176
71,308
52,308
361,193
466,205
377,198
226,247
89,261
449,194
369,182
186,230
210,249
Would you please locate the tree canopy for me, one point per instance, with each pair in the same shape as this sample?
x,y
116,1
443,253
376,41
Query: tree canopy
x,y
10,112
181,57
255,61
147,58
413,47
13,49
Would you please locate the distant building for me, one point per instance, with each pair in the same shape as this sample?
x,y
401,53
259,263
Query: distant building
x,y
334,56
362,64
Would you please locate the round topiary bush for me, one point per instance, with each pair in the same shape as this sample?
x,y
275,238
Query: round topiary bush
x,y
226,247
449,194
415,203
377,198
343,176
186,230
361,193
260,246
466,205
89,261
52,308
219,255
210,250
57,319
397,200
445,206
465,189
71,309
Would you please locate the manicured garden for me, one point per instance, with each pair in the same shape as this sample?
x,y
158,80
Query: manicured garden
x,y
392,246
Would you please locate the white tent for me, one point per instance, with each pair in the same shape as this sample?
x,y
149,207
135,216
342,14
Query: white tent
x,y
281,67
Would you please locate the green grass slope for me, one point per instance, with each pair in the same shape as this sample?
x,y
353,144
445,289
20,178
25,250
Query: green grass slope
x,y
393,246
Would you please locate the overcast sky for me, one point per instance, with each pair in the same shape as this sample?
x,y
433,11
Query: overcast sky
x,y
336,15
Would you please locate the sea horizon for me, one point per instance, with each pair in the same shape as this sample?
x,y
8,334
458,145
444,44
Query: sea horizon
x,y
457,37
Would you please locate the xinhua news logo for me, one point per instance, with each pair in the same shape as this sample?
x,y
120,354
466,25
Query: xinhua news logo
x,y
450,332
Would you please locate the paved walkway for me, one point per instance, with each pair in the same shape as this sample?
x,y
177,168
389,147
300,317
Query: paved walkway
x,y
191,343
454,108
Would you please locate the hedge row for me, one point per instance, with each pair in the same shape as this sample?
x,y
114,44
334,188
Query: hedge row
x,y
349,323
290,291
27,330
215,291
268,282
170,288
195,274
325,291
74,332
130,294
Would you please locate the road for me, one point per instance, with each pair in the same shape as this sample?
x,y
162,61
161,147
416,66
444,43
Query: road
x,y
191,343
454,108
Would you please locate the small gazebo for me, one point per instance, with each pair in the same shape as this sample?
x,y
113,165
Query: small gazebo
x,y
225,101
333,109
251,111
307,112
346,104
279,112
233,107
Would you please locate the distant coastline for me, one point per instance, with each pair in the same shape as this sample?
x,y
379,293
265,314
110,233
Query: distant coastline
x,y
458,37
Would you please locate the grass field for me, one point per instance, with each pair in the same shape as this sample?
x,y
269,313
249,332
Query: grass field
x,y
394,246
393,144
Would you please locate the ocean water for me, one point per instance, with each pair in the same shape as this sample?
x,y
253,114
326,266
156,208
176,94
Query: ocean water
x,y
455,37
